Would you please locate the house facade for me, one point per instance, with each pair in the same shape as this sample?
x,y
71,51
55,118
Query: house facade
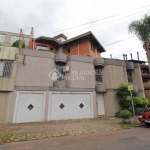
x,y
55,85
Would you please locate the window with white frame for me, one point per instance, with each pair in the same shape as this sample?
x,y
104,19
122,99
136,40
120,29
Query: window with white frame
x,y
5,68
2,37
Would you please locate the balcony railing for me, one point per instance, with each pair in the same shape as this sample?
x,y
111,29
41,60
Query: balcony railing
x,y
146,85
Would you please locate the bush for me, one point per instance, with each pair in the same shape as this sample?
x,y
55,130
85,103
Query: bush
x,y
117,114
140,110
125,103
125,114
122,91
19,43
140,102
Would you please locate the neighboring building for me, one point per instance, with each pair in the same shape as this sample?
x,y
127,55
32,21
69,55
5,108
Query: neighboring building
x,y
145,76
84,45
8,38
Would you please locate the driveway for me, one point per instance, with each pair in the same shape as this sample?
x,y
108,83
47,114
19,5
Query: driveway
x,y
33,131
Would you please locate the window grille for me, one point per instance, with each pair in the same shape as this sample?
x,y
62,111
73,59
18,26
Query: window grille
x,y
129,74
5,68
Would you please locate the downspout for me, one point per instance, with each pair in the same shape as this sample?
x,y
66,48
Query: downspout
x,y
78,48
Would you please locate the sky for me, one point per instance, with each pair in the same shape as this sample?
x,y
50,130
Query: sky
x,y
107,19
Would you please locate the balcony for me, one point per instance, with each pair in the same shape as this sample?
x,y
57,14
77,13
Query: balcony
x,y
100,88
130,65
60,57
99,62
146,75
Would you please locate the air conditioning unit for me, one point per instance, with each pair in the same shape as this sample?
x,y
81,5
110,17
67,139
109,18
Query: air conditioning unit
x,y
66,69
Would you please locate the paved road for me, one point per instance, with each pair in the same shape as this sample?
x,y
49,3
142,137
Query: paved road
x,y
129,139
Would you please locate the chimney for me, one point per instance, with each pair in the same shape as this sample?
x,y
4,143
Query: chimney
x,y
111,56
138,55
124,57
131,56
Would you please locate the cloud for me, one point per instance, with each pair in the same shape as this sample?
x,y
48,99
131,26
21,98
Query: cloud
x,y
47,16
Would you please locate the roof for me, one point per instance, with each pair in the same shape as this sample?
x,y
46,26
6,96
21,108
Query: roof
x,y
47,40
60,35
137,61
88,35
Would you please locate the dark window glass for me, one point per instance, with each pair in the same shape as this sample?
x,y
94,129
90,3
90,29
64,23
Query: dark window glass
x,y
98,74
129,75
68,50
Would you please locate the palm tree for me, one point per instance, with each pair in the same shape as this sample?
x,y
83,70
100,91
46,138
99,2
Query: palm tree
x,y
141,29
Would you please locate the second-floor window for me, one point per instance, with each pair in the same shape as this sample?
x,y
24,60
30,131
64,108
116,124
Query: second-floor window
x,y
5,68
68,51
129,75
98,74
41,47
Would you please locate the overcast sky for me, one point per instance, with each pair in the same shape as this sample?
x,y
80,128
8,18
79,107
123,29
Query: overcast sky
x,y
49,16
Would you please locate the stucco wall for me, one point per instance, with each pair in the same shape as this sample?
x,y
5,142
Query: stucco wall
x,y
77,67
111,103
137,80
5,106
34,71
113,76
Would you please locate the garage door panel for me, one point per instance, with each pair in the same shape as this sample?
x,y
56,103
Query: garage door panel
x,y
30,107
71,109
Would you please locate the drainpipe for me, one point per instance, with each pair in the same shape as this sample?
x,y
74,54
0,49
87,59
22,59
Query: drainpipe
x,y
78,48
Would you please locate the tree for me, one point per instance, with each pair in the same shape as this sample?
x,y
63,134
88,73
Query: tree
x,y
18,43
141,29
123,92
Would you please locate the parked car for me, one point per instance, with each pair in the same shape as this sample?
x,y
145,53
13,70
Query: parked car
x,y
145,118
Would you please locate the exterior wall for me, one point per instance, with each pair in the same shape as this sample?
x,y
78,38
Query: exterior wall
x,y
88,80
9,53
111,102
114,75
137,80
5,106
34,72
147,94
148,58
7,40
33,45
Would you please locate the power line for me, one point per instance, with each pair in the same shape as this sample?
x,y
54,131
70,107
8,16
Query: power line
x,y
107,22
119,41
95,21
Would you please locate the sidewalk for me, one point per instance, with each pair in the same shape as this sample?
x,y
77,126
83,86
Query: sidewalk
x,y
32,131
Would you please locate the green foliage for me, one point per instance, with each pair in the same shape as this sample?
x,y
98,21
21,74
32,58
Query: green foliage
x,y
140,102
140,110
122,91
141,29
125,114
125,103
19,43
117,114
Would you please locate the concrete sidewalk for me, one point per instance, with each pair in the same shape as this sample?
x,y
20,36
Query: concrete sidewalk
x,y
33,131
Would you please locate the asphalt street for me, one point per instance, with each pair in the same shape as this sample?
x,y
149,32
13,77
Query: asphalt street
x,y
130,139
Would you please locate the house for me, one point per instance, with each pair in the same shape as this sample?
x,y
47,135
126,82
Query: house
x,y
60,84
85,45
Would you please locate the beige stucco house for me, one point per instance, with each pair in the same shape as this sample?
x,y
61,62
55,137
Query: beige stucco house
x,y
49,86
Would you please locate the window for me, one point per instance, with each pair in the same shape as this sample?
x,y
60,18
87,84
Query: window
x,y
13,39
129,75
59,68
145,80
5,68
51,49
68,50
98,74
92,47
2,38
40,47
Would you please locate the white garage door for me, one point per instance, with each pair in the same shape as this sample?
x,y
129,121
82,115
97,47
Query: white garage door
x,y
100,101
29,107
71,106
